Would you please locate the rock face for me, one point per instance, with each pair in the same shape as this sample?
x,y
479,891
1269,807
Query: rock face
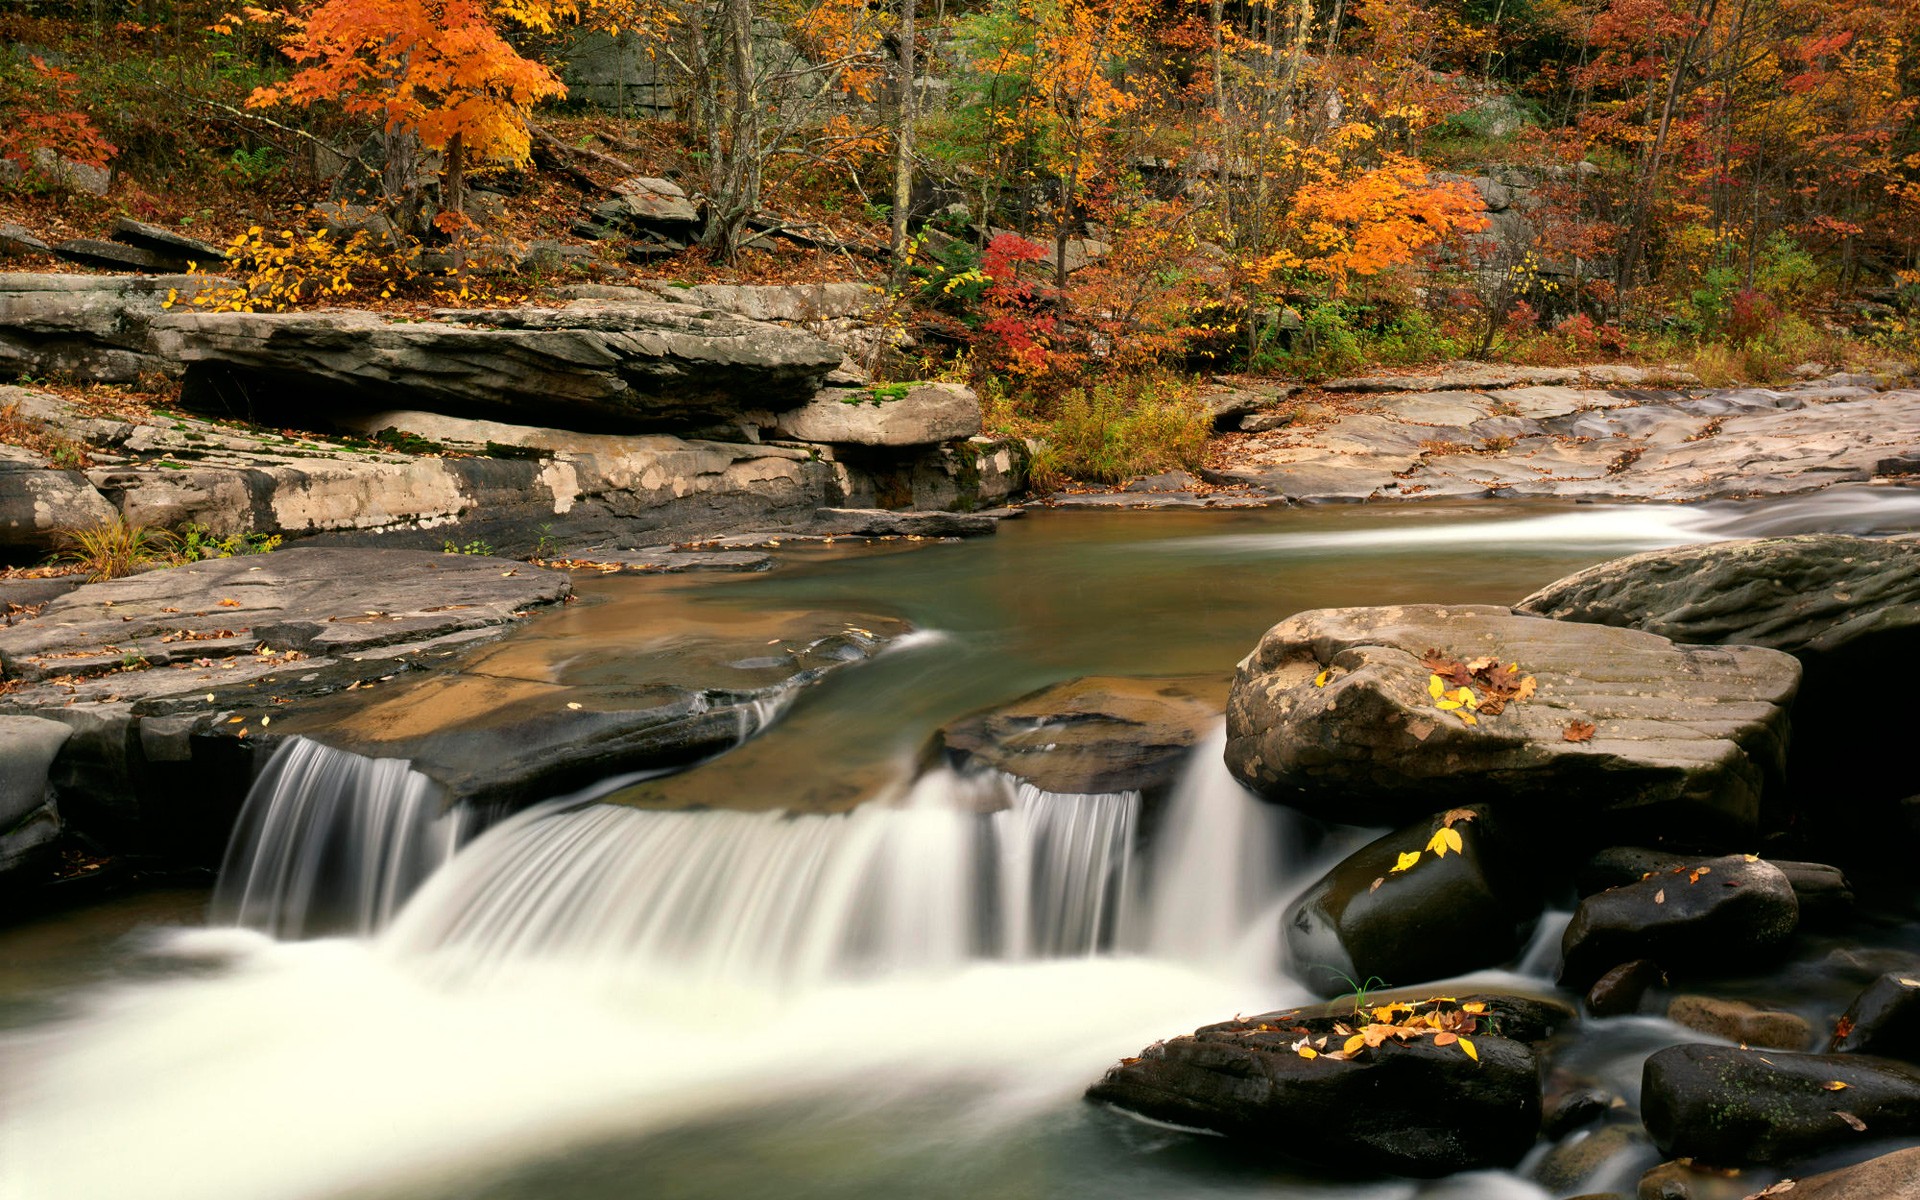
x,y
925,414
1685,741
1714,913
29,817
1411,1109
149,672
630,367
1848,608
38,505
1730,1107
1884,1020
1087,736
1443,916
91,327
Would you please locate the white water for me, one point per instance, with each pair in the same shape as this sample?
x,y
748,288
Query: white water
x,y
331,841
579,971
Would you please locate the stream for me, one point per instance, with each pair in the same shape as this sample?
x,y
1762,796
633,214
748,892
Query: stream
x,y
817,965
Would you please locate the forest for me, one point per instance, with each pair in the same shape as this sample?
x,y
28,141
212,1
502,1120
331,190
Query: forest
x,y
1078,206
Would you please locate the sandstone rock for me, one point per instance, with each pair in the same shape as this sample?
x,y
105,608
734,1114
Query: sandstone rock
x,y
1848,608
597,365
1086,736
1726,1107
114,256
1719,912
170,244
1893,1176
1431,1110
1367,919
650,201
1618,993
926,414
29,817
16,241
1884,1020
39,506
1687,738
87,327
1738,1021
862,522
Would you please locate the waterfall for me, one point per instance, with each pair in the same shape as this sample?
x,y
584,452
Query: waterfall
x,y
330,841
963,867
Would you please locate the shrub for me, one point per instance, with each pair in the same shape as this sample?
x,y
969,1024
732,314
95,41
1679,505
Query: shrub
x,y
117,548
1110,431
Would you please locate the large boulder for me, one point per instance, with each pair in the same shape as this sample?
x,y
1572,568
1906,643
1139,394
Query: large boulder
x,y
922,414
1410,1106
1824,892
1712,913
1884,1019
1625,732
1727,1106
29,817
1848,608
1893,1176
1097,734
600,365
39,506
88,327
1371,917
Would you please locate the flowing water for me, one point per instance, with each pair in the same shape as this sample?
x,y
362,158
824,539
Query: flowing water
x,y
812,967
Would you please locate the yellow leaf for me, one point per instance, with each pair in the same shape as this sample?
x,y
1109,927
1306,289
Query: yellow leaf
x,y
1320,680
1354,1043
1448,705
1468,1047
1467,718
1307,1052
1834,1085
1436,687
1407,860
1444,839
1473,1006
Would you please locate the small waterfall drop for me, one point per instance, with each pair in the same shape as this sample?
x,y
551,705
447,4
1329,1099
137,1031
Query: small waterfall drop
x,y
330,841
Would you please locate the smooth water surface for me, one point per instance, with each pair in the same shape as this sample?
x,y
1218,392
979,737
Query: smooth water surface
x,y
786,999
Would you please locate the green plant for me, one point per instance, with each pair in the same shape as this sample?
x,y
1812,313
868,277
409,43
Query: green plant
x,y
197,542
1109,431
475,547
1360,989
116,548
544,546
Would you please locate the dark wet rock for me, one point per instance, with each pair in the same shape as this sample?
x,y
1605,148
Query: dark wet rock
x,y
1690,1181
1727,1107
1091,735
1825,896
177,248
1893,1176
29,814
1719,912
924,414
615,366
1848,608
1611,1154
1428,1110
1884,1020
1567,1108
1739,1021
1618,993
1440,917
1687,739
1861,965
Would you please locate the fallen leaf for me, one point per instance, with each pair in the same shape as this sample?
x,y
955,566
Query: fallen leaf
x,y
1844,1026
573,704
1834,1085
1375,885
1407,859
1445,1039
1858,1125
229,604
1354,1043
1443,840
1467,718
1468,1047
1457,814
1660,897
1526,688
1578,731
1320,680
1436,687
1307,1052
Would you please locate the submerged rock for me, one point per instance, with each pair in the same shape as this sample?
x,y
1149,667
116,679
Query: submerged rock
x,y
1738,1021
1618,993
1848,608
1884,1019
1716,913
1369,918
1727,1107
1414,1108
1089,735
1332,714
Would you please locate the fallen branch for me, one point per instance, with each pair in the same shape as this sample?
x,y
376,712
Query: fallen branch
x,y
547,139
257,119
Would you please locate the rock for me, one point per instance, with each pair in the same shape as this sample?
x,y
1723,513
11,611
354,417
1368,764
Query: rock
x,y
1441,917
1565,1111
16,241
1686,1181
60,171
92,328
1618,992
629,367
1884,1020
1734,911
1825,896
860,522
344,219
113,256
1893,1176
1738,1021
176,247
29,817
924,414
1087,736
1687,738
646,201
1428,1110
1265,422
1848,608
1726,1107
1166,481
1610,1154
39,506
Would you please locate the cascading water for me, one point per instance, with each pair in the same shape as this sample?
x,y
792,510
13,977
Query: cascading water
x,y
330,841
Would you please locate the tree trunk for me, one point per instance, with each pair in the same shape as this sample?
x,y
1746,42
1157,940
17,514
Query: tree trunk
x,y
1633,246
739,191
903,141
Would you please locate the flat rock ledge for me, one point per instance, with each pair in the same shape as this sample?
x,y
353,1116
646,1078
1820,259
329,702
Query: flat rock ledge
x,y
1332,714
